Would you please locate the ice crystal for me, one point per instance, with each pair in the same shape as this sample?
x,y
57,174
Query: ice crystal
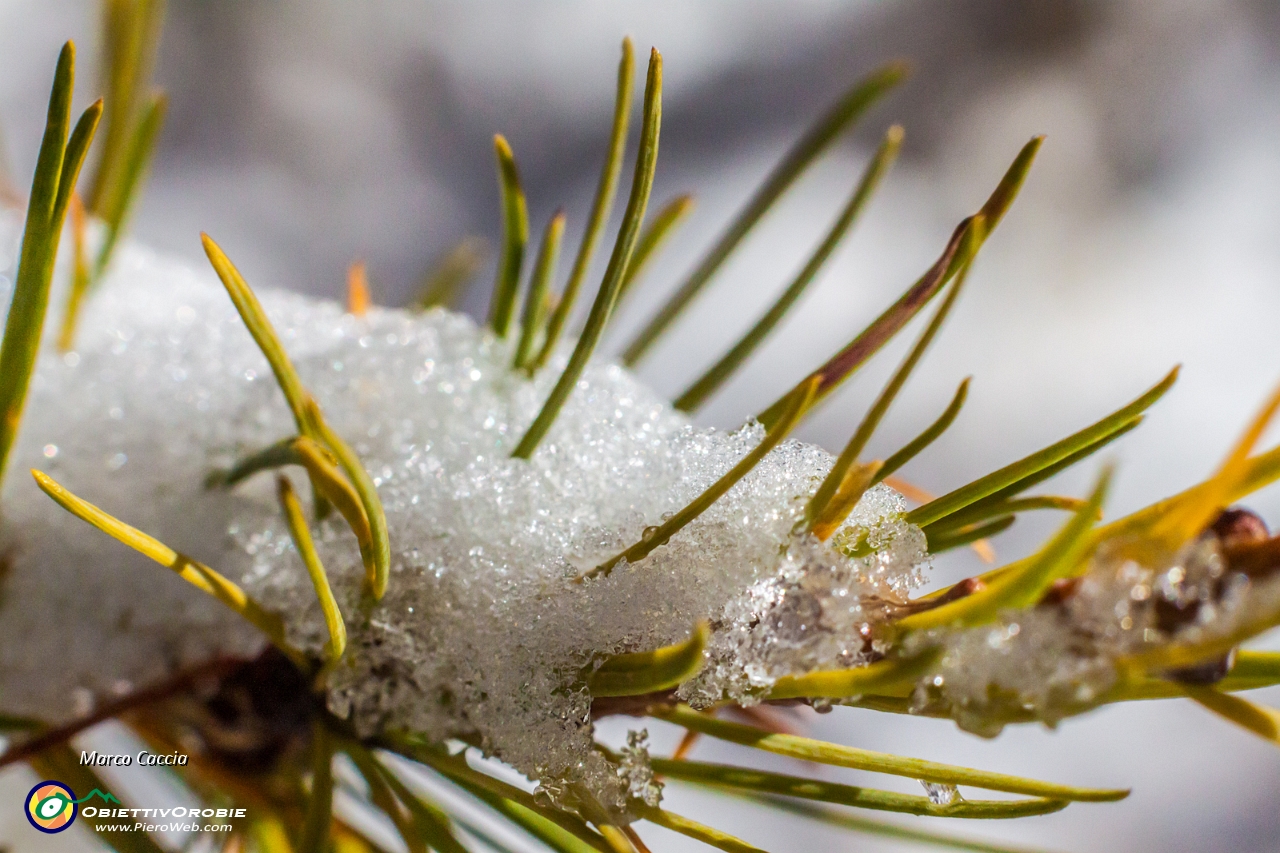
x,y
940,794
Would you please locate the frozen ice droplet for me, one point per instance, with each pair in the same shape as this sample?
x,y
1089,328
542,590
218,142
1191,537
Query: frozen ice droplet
x,y
940,794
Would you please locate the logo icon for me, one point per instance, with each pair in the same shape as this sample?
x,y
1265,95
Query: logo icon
x,y
51,806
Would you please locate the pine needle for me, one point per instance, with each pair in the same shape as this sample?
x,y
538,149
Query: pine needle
x,y
641,185
885,829
79,274
117,206
535,301
807,749
656,231
974,235
763,782
639,673
844,363
706,834
1020,471
358,297
1259,719
318,817
515,234
315,569
913,448
131,34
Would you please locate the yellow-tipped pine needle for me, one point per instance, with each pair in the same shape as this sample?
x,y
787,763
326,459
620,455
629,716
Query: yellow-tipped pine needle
x,y
358,299
255,320
193,572
515,234
706,834
639,673
379,542
322,466
297,522
1259,719
1189,518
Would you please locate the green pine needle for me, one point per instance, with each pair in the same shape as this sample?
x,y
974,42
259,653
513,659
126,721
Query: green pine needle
x,y
950,538
1026,586
318,818
883,328
885,829
535,301
515,234
656,231
137,160
916,446
984,510
455,768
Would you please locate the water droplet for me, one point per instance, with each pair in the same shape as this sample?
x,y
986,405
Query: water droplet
x,y
50,451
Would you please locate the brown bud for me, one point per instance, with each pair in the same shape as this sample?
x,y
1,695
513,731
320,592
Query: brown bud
x,y
1239,526
1060,592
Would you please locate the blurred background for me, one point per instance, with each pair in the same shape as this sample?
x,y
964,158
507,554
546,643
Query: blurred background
x,y
304,134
